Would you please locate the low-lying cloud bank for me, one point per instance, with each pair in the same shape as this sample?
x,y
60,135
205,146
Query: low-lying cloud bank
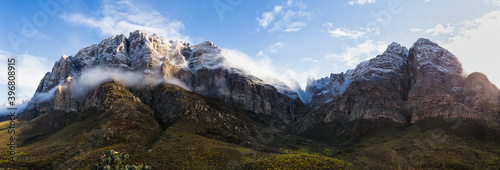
x,y
91,78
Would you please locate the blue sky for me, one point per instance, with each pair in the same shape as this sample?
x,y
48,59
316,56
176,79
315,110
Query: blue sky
x,y
288,39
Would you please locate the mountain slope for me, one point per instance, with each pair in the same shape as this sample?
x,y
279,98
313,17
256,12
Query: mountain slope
x,y
177,134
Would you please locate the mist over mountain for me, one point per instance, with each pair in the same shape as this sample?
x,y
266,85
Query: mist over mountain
x,y
153,91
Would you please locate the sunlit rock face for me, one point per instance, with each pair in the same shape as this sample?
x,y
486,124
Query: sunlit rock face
x,y
149,60
404,86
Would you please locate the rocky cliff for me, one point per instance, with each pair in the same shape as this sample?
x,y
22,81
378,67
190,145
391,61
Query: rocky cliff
x,y
148,61
404,86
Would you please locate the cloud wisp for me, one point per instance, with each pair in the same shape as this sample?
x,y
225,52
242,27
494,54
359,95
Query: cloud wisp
x,y
90,78
439,29
288,17
122,17
361,2
343,32
363,51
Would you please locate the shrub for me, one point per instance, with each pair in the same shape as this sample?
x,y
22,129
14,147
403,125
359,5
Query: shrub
x,y
112,160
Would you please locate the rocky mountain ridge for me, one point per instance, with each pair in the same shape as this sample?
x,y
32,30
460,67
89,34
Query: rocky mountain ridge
x,y
151,60
404,86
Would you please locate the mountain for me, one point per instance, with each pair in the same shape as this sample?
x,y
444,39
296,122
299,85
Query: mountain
x,y
402,86
179,106
201,68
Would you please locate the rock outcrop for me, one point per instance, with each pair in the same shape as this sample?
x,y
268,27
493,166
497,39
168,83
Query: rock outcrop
x,y
374,89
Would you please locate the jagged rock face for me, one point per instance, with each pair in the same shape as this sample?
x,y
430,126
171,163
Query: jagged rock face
x,y
248,92
438,83
61,70
374,89
405,86
62,97
202,68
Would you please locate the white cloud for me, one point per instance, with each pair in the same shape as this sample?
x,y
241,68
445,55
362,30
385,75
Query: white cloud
x,y
286,18
29,71
476,45
123,17
361,2
20,104
309,59
416,30
343,32
88,80
493,2
276,47
354,55
263,67
440,29
425,1
268,17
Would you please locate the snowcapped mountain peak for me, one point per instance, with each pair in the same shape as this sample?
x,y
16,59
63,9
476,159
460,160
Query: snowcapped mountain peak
x,y
143,59
381,67
206,44
395,48
206,55
424,41
434,58
391,60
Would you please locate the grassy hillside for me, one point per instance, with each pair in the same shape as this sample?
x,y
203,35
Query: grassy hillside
x,y
433,143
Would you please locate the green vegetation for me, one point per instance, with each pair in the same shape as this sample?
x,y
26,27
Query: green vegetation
x,y
112,160
433,143
297,161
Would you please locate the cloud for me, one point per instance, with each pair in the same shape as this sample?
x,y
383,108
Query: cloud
x,y
20,105
288,17
343,32
493,2
354,55
264,68
40,97
268,17
425,1
90,78
476,45
361,2
416,30
276,47
123,17
440,29
309,59
29,71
